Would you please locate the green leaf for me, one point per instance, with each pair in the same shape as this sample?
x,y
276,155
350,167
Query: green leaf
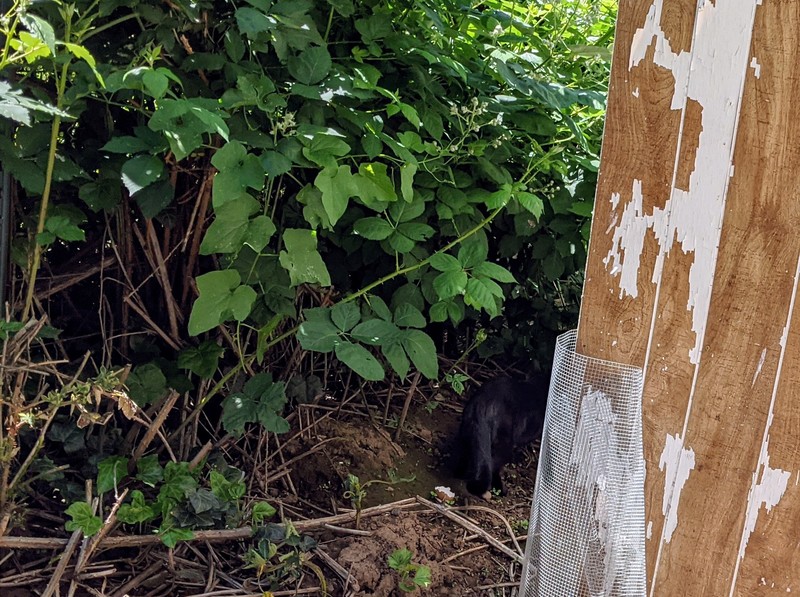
x,y
531,203
156,83
262,511
346,316
171,536
232,228
149,471
407,315
301,258
262,401
479,293
337,186
83,519
17,107
553,266
202,360
141,171
360,360
221,298
374,186
138,511
374,27
311,65
494,271
422,351
319,336
153,199
473,253
251,22
41,30
125,144
146,384
422,576
323,149
376,332
373,228
407,172
111,472
226,490
450,284
275,163
397,358
62,227
400,559
445,262
416,231
379,307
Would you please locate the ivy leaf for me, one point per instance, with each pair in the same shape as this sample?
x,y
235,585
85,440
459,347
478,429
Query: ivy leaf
x,y
226,490
83,519
149,471
232,228
111,472
409,316
444,262
202,360
376,332
450,284
146,384
141,171
261,401
360,360
337,186
137,511
310,66
221,298
397,358
373,228
346,316
171,536
261,511
420,348
301,258
493,271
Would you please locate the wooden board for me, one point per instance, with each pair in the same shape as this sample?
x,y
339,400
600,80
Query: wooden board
x,y
692,275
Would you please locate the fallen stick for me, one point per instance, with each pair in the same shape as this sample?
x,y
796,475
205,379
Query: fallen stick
x,y
218,536
471,527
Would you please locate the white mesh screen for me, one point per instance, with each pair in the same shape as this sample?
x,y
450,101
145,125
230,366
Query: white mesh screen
x,y
586,533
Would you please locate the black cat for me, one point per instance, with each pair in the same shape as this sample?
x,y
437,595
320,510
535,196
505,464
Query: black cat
x,y
503,415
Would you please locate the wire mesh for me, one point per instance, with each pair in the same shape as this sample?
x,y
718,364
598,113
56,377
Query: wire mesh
x,y
587,531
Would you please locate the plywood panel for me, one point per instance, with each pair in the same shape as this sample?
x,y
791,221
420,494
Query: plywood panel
x,y
692,275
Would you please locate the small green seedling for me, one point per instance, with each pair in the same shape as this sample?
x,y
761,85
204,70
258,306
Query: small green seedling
x,y
356,491
412,575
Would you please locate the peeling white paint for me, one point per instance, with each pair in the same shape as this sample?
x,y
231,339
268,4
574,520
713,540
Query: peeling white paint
x,y
649,530
768,484
636,92
760,365
678,462
693,218
756,67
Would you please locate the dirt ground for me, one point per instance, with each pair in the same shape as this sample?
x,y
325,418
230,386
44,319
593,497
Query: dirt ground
x,y
461,561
